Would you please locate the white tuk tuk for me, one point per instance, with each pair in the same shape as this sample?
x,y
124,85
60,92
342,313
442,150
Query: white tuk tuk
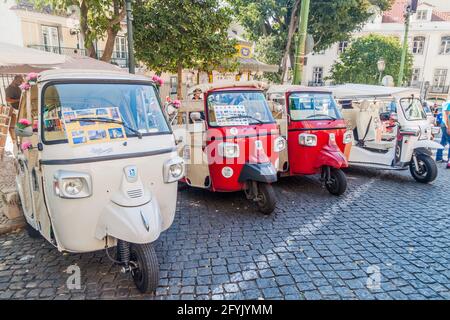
x,y
97,166
391,129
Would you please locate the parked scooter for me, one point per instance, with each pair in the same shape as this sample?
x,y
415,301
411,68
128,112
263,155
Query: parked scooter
x,y
317,137
99,167
229,140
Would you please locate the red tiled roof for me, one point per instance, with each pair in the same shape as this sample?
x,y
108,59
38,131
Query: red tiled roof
x,y
396,14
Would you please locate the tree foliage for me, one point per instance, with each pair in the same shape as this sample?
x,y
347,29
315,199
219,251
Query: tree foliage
x,y
358,63
99,19
171,35
329,21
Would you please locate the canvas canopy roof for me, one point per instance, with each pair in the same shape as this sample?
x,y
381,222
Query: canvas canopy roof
x,y
227,84
363,91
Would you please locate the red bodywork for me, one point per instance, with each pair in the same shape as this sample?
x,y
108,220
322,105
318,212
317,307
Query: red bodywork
x,y
245,137
305,160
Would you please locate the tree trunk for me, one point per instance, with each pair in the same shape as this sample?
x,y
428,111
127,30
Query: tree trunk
x,y
180,82
109,45
291,32
84,28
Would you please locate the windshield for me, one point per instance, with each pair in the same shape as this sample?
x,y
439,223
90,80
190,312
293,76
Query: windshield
x,y
88,112
412,109
238,109
313,106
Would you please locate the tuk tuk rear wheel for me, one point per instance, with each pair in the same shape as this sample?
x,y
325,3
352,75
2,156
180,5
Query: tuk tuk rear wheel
x,y
146,272
266,198
32,232
337,183
427,171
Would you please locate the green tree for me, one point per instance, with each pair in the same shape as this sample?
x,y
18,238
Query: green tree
x,y
274,22
99,19
358,64
172,35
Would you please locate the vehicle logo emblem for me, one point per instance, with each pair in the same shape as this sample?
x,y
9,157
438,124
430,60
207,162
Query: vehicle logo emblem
x,y
131,173
234,131
258,144
332,137
227,172
145,222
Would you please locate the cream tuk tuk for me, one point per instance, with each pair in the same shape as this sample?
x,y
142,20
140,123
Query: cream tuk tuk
x,y
97,166
391,129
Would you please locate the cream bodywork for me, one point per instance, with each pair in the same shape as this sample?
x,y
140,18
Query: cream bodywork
x,y
81,225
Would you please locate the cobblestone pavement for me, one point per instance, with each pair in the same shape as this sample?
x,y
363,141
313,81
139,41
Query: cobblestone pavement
x,y
315,246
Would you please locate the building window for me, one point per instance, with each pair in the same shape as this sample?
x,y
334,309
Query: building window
x,y
342,46
317,75
415,76
445,45
422,15
440,77
50,38
120,48
418,45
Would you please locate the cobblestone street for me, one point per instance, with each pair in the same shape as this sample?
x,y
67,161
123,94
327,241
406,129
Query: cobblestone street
x,y
314,246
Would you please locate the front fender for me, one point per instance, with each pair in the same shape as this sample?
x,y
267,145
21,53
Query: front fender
x,y
260,172
427,144
331,156
141,224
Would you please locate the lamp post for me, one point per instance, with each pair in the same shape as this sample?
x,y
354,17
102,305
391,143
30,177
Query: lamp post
x,y
381,65
131,65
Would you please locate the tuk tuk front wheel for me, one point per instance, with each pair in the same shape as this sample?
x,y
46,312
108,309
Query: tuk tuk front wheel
x,y
146,268
427,170
266,198
337,183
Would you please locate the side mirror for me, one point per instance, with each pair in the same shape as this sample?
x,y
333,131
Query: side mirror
x,y
26,132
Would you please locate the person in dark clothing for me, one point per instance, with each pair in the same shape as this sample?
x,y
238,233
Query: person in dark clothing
x,y
12,94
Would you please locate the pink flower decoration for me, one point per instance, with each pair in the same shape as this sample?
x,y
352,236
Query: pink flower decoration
x,y
168,99
32,76
25,86
158,80
25,122
26,146
176,103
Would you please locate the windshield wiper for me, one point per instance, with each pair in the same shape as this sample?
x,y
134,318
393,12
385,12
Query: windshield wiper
x,y
109,120
323,115
245,117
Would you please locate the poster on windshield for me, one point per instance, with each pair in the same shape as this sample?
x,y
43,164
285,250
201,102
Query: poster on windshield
x,y
231,115
81,132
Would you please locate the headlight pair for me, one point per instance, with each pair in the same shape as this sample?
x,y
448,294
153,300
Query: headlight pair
x,y
228,150
72,185
173,170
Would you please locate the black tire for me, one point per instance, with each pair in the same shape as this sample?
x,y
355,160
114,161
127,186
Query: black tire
x,y
428,170
268,200
338,182
32,232
146,275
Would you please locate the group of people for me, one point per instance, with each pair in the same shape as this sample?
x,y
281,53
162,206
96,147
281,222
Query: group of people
x,y
443,120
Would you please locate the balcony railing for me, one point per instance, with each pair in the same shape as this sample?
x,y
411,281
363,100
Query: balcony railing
x,y
316,84
439,89
118,58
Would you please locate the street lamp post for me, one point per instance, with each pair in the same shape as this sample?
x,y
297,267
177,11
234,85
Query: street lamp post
x,y
381,65
131,64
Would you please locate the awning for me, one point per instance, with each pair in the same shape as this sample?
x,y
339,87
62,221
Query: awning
x,y
253,65
353,91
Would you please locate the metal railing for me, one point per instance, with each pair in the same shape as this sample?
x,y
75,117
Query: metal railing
x,y
118,58
316,84
439,89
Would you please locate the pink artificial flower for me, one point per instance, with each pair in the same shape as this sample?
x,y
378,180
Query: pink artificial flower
x,y
25,86
168,99
26,146
158,80
32,76
176,103
25,122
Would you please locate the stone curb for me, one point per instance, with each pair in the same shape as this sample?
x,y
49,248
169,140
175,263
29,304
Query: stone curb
x,y
12,225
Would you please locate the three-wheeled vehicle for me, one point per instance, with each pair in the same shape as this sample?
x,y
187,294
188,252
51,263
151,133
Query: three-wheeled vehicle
x,y
230,141
317,137
405,143
98,167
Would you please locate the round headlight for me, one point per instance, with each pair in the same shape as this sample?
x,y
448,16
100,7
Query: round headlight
x,y
280,144
176,170
73,186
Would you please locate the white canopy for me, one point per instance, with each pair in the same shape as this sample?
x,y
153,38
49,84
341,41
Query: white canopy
x,y
16,59
360,91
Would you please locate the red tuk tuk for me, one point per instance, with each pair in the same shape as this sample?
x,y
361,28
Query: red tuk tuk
x,y
317,136
230,140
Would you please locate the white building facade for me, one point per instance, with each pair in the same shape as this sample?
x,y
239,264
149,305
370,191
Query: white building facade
x,y
429,42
